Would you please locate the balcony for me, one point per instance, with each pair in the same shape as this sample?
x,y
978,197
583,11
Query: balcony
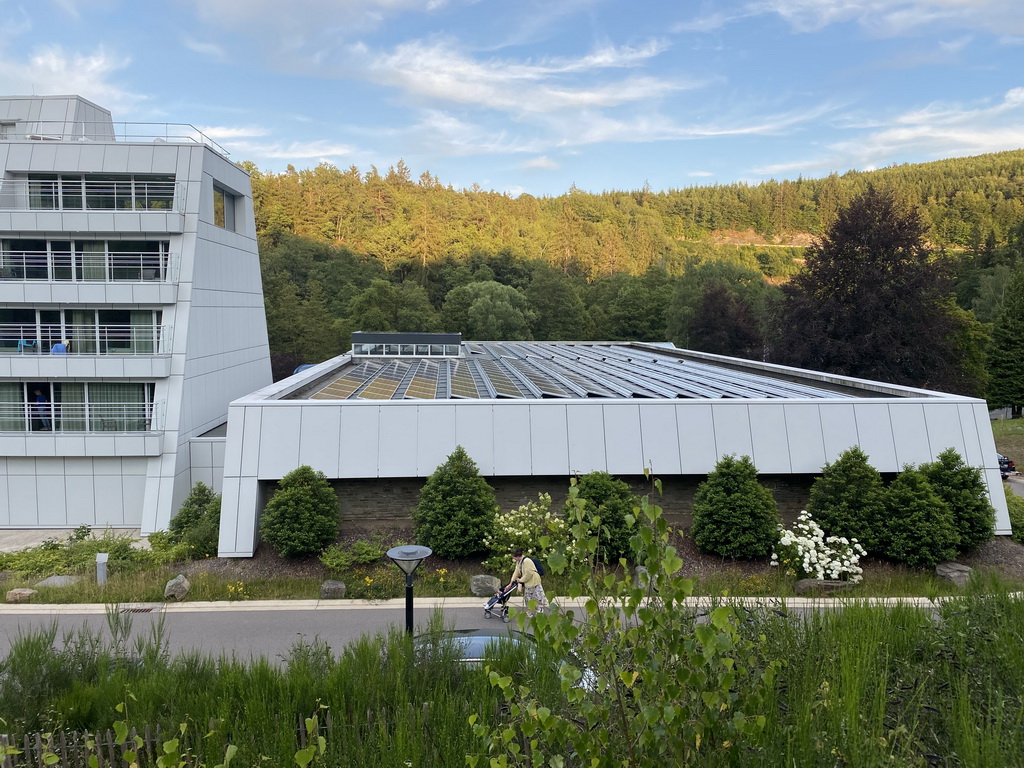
x,y
66,340
75,192
79,417
85,131
82,266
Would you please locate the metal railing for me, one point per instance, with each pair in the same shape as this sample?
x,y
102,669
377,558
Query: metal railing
x,y
60,130
79,194
88,267
77,417
122,339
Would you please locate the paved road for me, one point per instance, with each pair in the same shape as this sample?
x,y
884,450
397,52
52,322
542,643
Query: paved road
x,y
267,629
1016,485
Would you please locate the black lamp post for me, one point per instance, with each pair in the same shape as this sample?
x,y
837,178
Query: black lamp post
x,y
408,558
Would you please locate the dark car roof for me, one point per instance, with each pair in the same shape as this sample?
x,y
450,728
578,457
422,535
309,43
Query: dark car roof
x,y
473,643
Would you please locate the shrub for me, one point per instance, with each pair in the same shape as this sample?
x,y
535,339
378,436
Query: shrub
x,y
339,558
194,531
919,524
610,500
532,527
963,489
733,514
805,552
302,516
456,509
1015,504
847,500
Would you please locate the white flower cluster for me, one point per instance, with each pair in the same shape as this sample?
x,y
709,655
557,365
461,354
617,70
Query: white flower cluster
x,y
523,527
808,553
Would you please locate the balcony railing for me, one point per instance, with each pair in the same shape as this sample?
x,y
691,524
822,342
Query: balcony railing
x,y
75,194
78,417
88,267
43,339
60,130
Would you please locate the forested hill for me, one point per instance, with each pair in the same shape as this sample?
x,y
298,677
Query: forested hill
x,y
408,225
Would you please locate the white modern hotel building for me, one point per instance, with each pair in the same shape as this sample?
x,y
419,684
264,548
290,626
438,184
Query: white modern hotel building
x,y
131,312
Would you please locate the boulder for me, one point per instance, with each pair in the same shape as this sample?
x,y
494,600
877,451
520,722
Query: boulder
x,y
954,572
59,581
484,585
177,587
20,595
332,590
821,586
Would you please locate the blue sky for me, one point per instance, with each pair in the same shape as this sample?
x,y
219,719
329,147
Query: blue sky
x,y
536,95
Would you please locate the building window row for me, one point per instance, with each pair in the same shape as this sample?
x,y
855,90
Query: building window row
x,y
84,260
406,350
97,192
82,331
76,406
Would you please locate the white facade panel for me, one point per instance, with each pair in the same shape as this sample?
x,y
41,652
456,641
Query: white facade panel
x,y
319,446
21,491
586,434
805,438
838,428
910,433
279,443
474,431
942,420
549,439
875,430
81,493
769,439
975,424
5,499
396,452
732,429
659,434
623,441
513,444
252,430
360,441
698,446
435,436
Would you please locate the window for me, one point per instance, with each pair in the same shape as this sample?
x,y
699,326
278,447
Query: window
x,y
223,208
6,130
140,192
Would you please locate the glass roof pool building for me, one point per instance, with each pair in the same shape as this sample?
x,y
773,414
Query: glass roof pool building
x,y
384,416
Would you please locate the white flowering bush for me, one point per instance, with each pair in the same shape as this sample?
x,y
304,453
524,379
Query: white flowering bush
x,y
532,527
806,552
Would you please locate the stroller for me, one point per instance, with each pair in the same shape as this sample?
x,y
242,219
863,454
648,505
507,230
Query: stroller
x,y
499,604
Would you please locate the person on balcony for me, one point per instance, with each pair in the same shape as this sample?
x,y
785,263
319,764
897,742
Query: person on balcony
x,y
41,411
60,348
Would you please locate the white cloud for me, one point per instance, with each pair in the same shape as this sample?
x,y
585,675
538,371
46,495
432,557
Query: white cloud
x,y
211,50
232,132
884,18
543,163
700,174
49,70
296,150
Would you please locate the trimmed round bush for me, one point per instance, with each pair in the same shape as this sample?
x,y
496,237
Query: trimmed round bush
x,y
301,518
612,500
456,509
962,488
848,499
733,514
196,526
919,524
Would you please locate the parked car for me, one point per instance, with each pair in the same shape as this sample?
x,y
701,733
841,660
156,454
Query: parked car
x,y
1006,466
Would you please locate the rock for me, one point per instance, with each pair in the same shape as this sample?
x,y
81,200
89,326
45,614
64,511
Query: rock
x,y
177,587
59,581
332,590
954,572
826,586
484,585
20,595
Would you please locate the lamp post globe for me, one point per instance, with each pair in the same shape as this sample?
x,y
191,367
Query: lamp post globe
x,y
408,559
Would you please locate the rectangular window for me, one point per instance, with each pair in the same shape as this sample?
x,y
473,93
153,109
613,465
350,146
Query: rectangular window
x,y
223,208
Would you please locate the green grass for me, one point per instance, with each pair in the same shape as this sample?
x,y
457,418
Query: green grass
x,y
1009,436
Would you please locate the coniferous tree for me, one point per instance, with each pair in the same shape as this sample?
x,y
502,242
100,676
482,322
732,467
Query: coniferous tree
x,y
919,529
848,499
963,489
302,516
733,514
1006,354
